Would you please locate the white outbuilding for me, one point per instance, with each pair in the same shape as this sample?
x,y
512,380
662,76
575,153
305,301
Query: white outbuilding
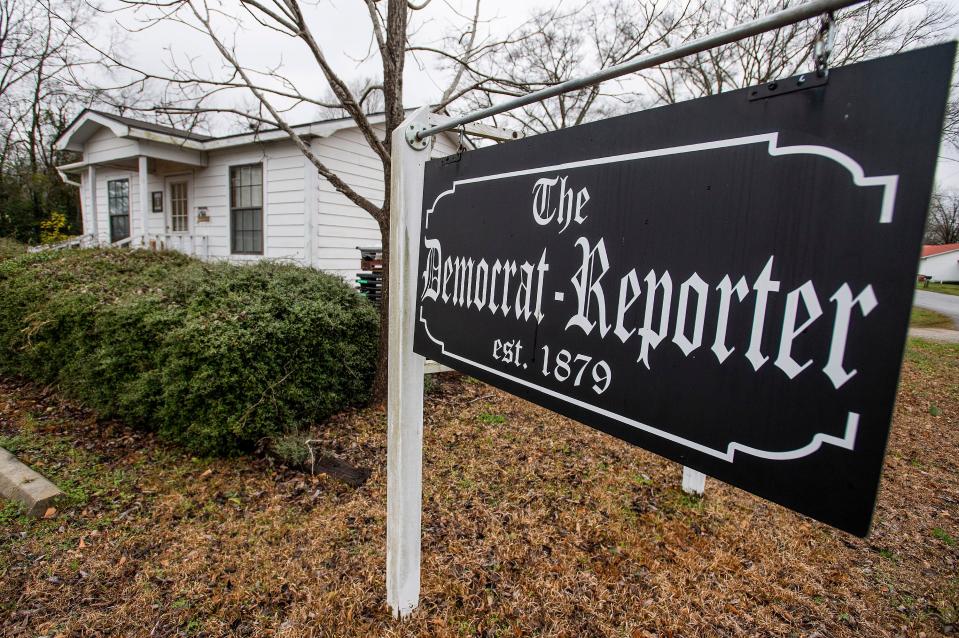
x,y
940,263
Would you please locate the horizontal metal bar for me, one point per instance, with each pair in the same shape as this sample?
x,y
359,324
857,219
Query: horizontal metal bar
x,y
761,25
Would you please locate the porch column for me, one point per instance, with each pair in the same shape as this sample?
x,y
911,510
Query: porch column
x,y
144,198
92,206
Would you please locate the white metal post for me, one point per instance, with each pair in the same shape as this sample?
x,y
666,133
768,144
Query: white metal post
x,y
404,458
144,188
693,482
94,223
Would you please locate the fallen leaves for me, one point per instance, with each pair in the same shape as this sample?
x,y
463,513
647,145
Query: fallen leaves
x,y
533,525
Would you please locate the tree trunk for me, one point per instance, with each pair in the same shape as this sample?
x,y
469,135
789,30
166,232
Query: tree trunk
x,y
393,61
380,380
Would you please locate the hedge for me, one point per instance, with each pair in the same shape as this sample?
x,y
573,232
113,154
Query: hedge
x,y
214,356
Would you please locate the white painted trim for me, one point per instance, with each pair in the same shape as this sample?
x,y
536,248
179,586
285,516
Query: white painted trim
x,y
72,167
65,141
265,162
92,194
887,182
143,177
312,129
311,209
316,129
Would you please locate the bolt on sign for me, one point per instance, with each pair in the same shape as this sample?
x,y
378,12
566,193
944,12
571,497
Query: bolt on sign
x,y
726,282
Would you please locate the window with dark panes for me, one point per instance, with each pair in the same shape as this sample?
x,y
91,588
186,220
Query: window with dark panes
x,y
246,209
118,206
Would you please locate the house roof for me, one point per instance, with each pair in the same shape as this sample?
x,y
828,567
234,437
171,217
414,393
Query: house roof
x,y
149,126
930,250
89,120
191,147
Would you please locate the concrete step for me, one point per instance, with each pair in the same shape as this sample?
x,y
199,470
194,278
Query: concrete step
x,y
19,483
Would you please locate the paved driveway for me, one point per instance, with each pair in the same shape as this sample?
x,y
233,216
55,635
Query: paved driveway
x,y
935,334
946,304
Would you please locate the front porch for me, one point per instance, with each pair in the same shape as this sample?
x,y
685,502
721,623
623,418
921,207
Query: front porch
x,y
137,189
140,202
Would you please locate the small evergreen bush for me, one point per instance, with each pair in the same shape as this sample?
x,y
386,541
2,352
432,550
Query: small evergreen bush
x,y
213,356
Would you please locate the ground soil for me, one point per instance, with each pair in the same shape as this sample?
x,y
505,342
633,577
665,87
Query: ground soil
x,y
534,525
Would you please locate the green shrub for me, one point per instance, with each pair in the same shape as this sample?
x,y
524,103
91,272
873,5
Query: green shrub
x,y
213,356
10,248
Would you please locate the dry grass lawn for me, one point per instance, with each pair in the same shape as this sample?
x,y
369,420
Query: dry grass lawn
x,y
533,526
946,289
925,318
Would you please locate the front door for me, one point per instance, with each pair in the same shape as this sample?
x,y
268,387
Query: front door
x,y
179,221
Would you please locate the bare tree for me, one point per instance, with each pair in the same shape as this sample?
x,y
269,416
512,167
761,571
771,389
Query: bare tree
x,y
942,225
369,95
193,88
871,29
559,44
37,56
950,127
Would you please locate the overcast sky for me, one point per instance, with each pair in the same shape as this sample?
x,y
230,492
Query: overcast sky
x,y
343,30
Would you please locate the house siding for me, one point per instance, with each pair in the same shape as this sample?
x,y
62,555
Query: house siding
x,y
156,222
340,225
283,200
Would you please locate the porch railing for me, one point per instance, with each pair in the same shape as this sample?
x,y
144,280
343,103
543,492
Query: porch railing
x,y
188,244
80,241
193,245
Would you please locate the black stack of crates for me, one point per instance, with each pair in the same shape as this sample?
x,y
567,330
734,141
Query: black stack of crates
x,y
370,278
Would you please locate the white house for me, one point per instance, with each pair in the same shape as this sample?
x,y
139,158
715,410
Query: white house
x,y
940,263
235,197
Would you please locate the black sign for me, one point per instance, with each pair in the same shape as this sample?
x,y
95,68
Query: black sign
x,y
726,282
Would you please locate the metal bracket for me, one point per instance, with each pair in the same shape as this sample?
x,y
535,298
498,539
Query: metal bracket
x,y
789,85
476,129
419,144
823,44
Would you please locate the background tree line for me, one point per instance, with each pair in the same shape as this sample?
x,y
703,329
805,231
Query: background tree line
x,y
37,99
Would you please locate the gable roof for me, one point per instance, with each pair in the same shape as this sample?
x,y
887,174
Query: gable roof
x,y
89,120
929,250
149,126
